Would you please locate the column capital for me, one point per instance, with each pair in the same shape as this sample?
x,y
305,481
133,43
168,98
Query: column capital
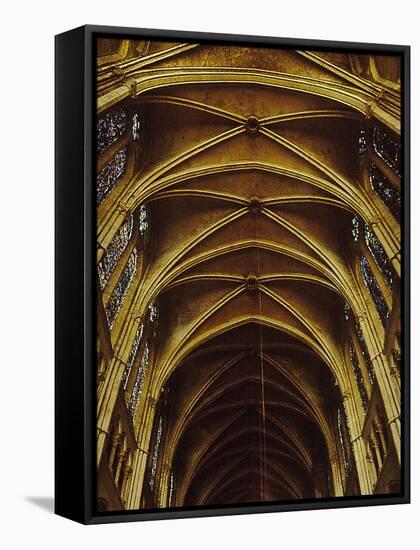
x,y
137,316
368,109
120,362
361,315
374,221
152,402
334,457
122,208
396,256
379,355
346,394
356,439
121,76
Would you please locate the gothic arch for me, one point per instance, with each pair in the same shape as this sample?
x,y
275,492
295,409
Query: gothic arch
x,y
243,354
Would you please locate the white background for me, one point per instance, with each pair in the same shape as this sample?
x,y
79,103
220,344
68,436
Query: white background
x,y
26,291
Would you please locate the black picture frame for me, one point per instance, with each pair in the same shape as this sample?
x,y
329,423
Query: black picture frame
x,y
75,292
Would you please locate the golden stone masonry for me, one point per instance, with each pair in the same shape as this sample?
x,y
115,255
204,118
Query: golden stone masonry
x,y
248,260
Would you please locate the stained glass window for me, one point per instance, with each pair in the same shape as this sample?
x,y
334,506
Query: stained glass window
x,y
362,142
155,454
121,288
379,255
347,311
132,356
358,375
171,488
110,174
114,251
139,382
343,432
355,228
135,127
374,290
365,353
153,313
109,128
143,220
387,148
389,195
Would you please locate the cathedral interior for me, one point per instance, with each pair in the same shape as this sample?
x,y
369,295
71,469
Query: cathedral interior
x,y
248,274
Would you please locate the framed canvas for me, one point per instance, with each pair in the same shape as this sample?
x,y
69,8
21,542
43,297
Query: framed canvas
x,y
232,274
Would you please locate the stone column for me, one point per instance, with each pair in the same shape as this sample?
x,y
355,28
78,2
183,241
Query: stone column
x,y
106,403
356,440
163,484
392,407
144,434
387,387
336,475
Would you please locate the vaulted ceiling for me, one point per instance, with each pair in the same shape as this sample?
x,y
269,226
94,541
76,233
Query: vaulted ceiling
x,y
249,166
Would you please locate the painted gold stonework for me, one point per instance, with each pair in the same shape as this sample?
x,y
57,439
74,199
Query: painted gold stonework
x,y
247,162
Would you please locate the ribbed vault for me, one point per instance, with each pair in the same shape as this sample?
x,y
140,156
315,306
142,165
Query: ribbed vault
x,y
251,411
249,168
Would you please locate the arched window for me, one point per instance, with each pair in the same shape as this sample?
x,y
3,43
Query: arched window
x,y
153,313
362,142
135,127
171,489
374,290
347,311
144,223
133,353
348,314
355,228
387,148
365,353
110,174
114,251
360,381
343,434
139,382
155,454
389,195
120,291
379,255
109,129
153,317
